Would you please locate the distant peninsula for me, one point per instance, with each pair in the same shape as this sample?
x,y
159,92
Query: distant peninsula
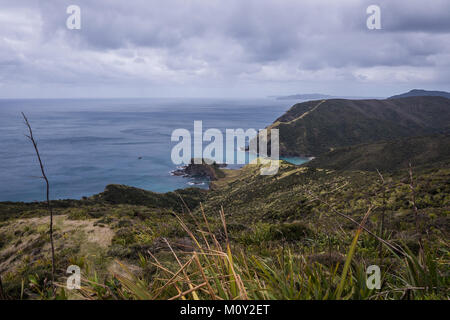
x,y
319,96
307,96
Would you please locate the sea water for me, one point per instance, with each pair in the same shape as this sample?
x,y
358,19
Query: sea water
x,y
86,144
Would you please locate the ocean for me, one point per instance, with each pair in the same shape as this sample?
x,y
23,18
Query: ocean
x,y
86,144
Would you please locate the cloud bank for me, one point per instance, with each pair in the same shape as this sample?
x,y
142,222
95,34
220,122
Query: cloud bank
x,y
222,48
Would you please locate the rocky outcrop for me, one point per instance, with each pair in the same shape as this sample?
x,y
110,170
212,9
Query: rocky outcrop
x,y
203,170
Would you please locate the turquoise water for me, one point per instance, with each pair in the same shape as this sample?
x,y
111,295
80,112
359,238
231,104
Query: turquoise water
x,y
295,160
87,144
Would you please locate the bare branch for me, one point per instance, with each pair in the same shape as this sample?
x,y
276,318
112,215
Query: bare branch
x,y
2,294
381,176
416,211
44,176
383,213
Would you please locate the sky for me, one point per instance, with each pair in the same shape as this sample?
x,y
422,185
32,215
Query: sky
x,y
222,48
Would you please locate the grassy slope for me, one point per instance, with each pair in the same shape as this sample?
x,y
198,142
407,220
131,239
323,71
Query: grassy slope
x,y
388,155
250,198
263,214
120,223
338,122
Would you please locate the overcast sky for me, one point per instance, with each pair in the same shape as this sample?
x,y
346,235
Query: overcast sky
x,y
222,48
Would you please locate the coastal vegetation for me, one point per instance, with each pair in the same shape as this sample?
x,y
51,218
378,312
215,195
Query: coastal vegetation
x,y
381,197
388,156
316,127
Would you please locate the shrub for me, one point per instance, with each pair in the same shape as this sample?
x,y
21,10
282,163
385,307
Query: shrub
x,y
124,237
290,231
330,259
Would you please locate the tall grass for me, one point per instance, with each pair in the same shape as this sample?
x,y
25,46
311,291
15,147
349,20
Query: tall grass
x,y
216,270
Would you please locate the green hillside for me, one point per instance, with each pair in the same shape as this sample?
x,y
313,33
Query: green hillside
x,y
289,196
388,155
277,228
315,127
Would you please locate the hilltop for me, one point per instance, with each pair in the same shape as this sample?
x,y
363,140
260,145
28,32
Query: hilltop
x,y
422,93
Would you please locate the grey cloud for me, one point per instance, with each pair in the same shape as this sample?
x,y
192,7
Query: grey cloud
x,y
203,42
417,16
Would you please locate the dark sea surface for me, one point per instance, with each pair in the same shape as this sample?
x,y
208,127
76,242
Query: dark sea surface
x,y
86,144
